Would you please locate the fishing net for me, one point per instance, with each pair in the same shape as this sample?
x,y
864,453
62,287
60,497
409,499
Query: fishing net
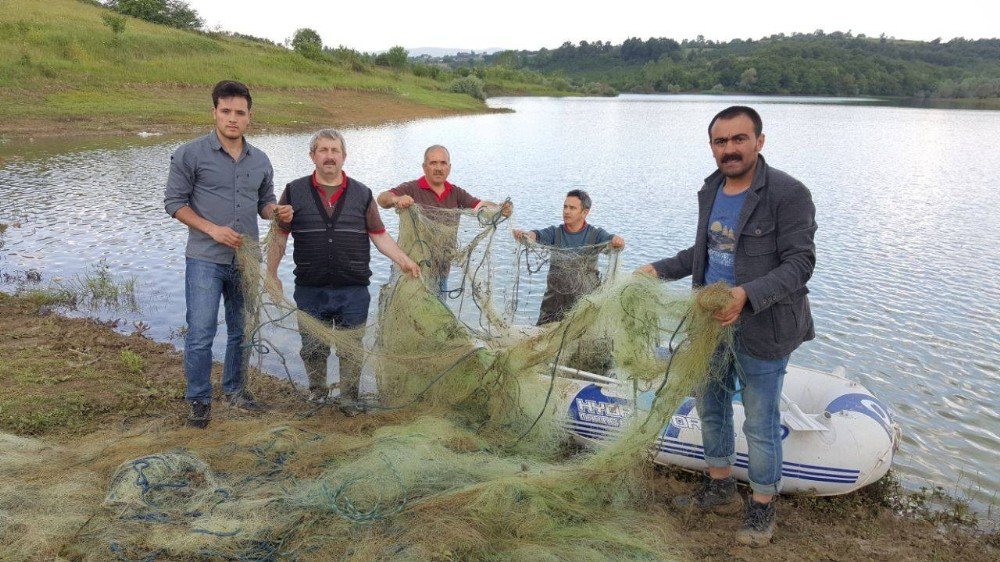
x,y
466,454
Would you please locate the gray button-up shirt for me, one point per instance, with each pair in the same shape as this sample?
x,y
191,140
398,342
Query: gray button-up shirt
x,y
224,191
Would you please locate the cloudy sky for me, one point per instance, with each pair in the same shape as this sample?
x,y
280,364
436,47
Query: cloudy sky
x,y
531,24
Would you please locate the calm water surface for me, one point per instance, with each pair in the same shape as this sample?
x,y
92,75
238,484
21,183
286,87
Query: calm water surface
x,y
906,286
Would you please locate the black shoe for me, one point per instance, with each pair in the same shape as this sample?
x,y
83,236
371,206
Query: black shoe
x,y
758,524
318,396
719,496
245,401
200,415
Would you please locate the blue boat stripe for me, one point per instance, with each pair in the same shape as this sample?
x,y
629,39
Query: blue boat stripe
x,y
685,409
787,468
684,454
692,448
784,473
826,468
818,479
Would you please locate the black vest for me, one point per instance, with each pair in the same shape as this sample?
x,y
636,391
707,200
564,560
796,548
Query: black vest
x,y
330,251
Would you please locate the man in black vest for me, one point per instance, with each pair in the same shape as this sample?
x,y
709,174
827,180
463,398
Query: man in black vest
x,y
335,220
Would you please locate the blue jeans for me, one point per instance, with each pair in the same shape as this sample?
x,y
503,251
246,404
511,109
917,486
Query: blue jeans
x,y
345,307
204,283
761,381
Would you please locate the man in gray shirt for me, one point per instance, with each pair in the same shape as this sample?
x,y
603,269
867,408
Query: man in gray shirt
x,y
217,186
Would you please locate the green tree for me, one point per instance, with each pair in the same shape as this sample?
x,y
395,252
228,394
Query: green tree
x,y
397,56
174,13
308,42
748,79
115,22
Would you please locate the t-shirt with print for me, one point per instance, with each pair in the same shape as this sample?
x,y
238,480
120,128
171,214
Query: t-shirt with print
x,y
722,224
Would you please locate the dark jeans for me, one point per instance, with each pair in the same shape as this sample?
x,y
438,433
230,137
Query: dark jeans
x,y
346,308
204,283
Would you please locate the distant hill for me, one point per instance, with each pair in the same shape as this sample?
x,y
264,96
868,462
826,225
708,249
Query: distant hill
x,y
449,51
839,64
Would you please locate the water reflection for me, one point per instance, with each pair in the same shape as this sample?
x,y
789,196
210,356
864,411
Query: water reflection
x,y
904,291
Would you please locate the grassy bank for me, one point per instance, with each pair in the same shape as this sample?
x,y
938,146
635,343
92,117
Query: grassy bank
x,y
93,398
63,70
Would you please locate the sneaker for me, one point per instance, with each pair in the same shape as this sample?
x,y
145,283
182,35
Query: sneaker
x,y
244,401
200,415
758,524
318,395
719,496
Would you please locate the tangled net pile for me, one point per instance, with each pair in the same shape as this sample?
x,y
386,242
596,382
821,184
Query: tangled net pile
x,y
464,457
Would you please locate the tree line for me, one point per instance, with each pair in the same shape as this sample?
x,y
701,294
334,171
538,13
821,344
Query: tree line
x,y
818,63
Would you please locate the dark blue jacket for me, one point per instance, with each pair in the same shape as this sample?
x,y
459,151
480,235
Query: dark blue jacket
x,y
774,257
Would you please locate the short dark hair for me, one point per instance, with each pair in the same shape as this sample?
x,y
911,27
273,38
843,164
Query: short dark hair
x,y
231,89
582,196
736,111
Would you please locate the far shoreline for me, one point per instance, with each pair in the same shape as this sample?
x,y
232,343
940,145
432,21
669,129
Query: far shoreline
x,y
186,111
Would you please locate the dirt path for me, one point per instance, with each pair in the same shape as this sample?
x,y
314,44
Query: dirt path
x,y
65,380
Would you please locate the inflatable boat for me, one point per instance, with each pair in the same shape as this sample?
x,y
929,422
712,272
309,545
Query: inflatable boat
x,y
836,435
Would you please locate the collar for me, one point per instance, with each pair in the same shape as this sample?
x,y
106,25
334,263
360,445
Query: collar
x,y
317,185
216,144
759,177
582,228
424,184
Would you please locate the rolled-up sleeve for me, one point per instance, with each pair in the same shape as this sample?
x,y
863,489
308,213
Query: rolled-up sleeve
x,y
180,181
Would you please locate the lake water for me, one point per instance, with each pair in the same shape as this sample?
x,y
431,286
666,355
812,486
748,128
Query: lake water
x,y
907,280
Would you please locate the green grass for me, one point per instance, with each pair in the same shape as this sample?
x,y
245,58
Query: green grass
x,y
131,361
61,63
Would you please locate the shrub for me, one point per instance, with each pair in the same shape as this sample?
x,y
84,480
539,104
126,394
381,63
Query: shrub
x,y
115,22
470,85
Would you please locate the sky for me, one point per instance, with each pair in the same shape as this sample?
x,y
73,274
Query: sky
x,y
532,24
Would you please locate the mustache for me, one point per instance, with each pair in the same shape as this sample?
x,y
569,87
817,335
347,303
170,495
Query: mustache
x,y
329,161
731,158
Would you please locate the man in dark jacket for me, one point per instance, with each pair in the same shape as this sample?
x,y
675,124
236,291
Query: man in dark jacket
x,y
335,221
755,232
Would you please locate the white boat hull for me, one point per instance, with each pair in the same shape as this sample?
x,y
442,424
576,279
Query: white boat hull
x,y
846,442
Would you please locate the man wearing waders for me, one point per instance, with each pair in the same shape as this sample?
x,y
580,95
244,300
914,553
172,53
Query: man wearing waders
x,y
334,224
573,263
755,232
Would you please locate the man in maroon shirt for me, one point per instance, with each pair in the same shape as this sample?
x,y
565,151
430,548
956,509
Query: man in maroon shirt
x,y
434,191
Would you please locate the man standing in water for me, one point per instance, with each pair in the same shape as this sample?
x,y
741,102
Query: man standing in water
x,y
572,267
755,232
335,221
433,190
217,186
